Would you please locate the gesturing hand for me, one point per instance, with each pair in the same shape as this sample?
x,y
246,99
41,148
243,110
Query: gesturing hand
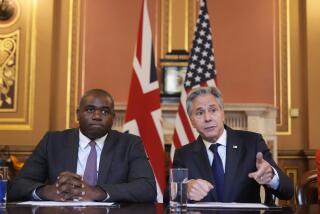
x,y
264,172
198,189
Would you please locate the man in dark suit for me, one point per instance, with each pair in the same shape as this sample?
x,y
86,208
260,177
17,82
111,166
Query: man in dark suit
x,y
224,164
59,168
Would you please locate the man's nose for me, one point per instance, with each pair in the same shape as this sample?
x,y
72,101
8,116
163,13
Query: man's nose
x,y
207,116
97,114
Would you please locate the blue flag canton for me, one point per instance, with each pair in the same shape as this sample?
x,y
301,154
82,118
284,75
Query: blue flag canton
x,y
201,65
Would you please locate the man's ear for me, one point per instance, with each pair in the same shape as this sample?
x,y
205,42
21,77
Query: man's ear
x,y
192,122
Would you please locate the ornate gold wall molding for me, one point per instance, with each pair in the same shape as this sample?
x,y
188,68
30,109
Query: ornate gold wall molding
x,y
9,12
177,25
9,63
17,61
76,43
283,71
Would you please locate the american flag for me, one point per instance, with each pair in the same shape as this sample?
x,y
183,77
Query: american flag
x,y
143,116
200,72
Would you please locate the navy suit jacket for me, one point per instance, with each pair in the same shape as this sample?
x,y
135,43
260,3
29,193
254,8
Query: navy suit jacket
x,y
124,170
242,147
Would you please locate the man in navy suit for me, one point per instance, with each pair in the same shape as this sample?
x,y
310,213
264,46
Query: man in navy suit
x,y
239,164
57,169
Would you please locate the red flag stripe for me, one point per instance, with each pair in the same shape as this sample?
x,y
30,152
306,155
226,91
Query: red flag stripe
x,y
143,116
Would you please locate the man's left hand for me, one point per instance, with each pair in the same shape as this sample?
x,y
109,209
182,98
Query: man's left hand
x,y
264,173
89,193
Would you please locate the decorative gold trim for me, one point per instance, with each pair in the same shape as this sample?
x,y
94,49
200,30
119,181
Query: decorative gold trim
x,y
162,29
74,53
32,65
83,48
27,118
170,26
186,29
275,49
284,124
295,157
174,63
292,172
14,38
16,127
69,64
17,14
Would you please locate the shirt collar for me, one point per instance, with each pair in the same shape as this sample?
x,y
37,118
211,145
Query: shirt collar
x,y
84,140
222,140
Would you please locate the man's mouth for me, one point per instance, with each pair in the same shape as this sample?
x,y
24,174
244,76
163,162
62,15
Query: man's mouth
x,y
96,125
209,128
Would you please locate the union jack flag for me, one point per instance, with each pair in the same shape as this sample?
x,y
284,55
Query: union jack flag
x,y
143,117
200,72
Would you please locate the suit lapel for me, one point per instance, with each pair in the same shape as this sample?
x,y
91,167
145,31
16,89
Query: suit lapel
x,y
71,150
106,157
202,163
233,155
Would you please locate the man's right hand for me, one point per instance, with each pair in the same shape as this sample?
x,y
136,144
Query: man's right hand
x,y
63,189
48,192
198,189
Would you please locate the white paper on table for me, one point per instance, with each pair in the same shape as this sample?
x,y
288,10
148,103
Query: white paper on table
x,y
227,205
67,203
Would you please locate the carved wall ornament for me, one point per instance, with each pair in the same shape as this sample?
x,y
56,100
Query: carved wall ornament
x,y
8,69
9,12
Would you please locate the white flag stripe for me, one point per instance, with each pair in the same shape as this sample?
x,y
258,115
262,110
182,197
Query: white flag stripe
x,y
146,47
172,150
183,139
144,82
132,126
156,116
159,193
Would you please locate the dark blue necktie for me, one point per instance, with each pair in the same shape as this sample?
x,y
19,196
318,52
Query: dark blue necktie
x,y
217,169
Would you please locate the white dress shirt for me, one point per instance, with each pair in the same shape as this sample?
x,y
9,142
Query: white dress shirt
x,y
222,150
83,153
84,150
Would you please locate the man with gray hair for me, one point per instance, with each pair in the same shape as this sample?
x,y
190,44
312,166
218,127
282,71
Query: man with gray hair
x,y
226,165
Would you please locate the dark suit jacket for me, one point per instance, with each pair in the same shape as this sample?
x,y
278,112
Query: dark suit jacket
x,y
124,170
242,147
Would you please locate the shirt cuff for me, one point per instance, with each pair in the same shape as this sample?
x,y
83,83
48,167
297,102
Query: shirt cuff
x,y
35,196
275,181
108,196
